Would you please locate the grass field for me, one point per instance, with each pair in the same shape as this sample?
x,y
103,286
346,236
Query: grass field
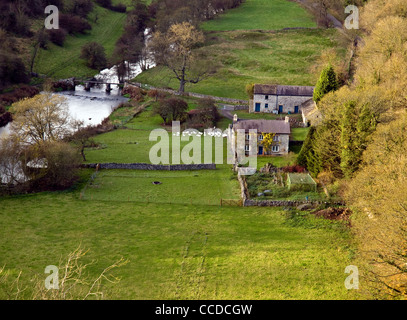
x,y
245,57
262,15
65,62
176,188
178,251
179,241
240,43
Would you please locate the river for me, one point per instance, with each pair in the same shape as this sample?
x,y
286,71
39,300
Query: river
x,y
93,106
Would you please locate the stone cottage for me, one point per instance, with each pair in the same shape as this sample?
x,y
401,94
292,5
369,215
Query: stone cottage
x,y
281,129
280,99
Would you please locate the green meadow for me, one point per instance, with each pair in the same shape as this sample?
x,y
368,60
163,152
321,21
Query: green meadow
x,y
244,57
262,15
176,187
177,251
248,45
65,62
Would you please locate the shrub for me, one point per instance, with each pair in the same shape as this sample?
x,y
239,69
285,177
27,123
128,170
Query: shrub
x,y
94,54
61,164
5,119
57,36
81,7
134,93
157,94
12,69
172,109
73,24
24,91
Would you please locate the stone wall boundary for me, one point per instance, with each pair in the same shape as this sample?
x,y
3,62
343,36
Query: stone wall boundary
x,y
150,167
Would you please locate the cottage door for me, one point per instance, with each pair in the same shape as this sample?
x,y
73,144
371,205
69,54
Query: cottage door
x,y
257,107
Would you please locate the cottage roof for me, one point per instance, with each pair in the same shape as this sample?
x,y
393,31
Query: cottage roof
x,y
266,126
266,89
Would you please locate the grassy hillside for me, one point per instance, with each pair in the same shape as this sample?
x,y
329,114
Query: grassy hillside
x,y
64,62
262,15
244,57
178,251
241,44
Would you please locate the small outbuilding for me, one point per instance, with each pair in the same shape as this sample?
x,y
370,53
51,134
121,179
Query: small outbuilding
x,y
301,182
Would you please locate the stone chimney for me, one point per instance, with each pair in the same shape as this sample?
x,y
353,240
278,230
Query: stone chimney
x,y
235,118
287,119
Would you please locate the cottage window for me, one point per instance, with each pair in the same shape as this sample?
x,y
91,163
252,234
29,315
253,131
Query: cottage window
x,y
261,137
275,138
267,105
267,97
247,136
247,147
275,148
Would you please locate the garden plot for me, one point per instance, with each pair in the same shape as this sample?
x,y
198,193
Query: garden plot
x,y
274,186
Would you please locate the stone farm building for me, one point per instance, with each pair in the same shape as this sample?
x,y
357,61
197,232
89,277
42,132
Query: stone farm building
x,y
280,99
281,129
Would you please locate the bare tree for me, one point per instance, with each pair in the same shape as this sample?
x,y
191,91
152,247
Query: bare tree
x,y
174,49
11,153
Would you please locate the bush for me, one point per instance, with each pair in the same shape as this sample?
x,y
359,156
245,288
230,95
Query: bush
x,y
12,69
73,24
57,36
24,91
81,7
61,165
172,109
157,94
94,54
134,93
5,119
